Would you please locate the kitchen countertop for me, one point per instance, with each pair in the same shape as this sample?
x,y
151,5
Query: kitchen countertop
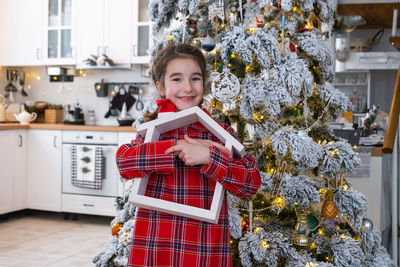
x,y
62,126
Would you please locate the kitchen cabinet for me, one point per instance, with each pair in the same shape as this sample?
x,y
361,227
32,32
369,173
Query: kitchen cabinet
x,y
105,28
13,170
21,27
142,37
59,34
44,170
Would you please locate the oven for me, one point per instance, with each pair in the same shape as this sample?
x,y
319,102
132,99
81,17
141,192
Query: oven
x,y
107,143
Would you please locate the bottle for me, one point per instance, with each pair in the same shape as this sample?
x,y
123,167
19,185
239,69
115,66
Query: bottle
x,y
92,118
2,109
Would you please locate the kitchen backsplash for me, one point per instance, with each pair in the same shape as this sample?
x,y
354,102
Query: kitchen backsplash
x,y
41,89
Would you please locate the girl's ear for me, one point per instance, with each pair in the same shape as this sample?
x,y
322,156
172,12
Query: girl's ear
x,y
160,89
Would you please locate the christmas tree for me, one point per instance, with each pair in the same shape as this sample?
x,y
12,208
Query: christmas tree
x,y
271,76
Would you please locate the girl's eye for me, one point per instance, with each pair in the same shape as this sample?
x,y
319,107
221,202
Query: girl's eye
x,y
196,78
176,79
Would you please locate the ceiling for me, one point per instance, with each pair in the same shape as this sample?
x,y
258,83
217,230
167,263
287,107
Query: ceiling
x,y
377,16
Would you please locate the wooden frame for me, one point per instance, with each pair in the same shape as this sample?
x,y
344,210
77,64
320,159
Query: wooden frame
x,y
393,122
152,130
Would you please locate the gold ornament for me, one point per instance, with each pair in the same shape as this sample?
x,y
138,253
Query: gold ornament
x,y
329,209
302,229
115,228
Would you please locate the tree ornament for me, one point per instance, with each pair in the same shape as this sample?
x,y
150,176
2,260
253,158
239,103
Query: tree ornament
x,y
260,20
366,226
208,43
329,210
216,10
292,47
245,225
115,228
276,3
225,86
312,222
301,230
277,176
191,25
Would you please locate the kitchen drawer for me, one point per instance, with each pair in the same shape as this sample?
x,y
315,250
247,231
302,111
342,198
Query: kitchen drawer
x,y
104,206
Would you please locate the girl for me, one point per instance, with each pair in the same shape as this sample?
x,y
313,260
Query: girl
x,y
183,167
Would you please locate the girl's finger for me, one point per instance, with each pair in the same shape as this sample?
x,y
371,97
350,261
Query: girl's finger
x,y
189,140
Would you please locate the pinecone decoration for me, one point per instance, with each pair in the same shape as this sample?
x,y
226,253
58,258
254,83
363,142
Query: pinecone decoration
x,y
329,210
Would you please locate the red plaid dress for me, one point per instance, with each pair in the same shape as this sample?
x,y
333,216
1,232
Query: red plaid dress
x,y
162,239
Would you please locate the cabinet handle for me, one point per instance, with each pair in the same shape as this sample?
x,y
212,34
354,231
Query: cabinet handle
x,y
73,52
38,53
88,205
54,141
105,50
20,140
98,50
134,50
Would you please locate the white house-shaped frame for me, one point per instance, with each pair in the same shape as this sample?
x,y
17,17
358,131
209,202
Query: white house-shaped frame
x,y
152,130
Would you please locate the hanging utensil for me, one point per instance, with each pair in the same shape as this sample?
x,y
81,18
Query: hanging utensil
x,y
22,83
10,88
139,104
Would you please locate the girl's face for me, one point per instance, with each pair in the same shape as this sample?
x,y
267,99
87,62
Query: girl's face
x,y
183,83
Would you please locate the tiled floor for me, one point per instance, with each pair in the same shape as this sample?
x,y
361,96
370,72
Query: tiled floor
x,y
46,239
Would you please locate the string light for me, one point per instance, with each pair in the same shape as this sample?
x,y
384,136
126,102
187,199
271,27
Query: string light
x,y
265,244
279,202
170,37
233,55
320,231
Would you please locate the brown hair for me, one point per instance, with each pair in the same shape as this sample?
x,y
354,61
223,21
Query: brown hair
x,y
173,51
168,53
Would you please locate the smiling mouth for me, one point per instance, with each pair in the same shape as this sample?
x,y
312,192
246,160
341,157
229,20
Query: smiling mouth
x,y
186,98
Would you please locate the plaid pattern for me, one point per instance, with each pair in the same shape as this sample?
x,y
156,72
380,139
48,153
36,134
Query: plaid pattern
x,y
162,239
96,177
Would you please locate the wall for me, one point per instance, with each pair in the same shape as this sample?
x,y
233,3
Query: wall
x,y
382,81
82,89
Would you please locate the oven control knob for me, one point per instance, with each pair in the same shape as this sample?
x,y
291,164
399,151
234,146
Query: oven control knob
x,y
101,137
77,137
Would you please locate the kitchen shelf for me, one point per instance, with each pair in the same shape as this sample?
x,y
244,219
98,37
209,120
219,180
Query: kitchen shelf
x,y
376,15
115,67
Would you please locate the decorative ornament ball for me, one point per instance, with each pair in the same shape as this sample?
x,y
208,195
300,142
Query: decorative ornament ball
x,y
342,55
366,226
329,210
312,222
292,47
208,43
115,228
225,86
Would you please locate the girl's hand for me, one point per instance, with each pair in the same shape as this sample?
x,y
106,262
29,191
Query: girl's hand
x,y
209,143
191,151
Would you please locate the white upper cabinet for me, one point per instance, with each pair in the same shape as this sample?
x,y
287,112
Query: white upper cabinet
x,y
21,27
59,34
105,28
67,32
142,41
